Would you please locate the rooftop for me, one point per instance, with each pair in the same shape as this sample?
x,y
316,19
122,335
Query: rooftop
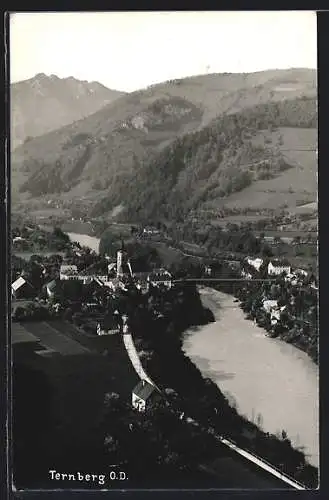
x,y
18,283
143,390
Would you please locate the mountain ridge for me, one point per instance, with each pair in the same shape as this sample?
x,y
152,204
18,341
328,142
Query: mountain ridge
x,y
59,101
91,157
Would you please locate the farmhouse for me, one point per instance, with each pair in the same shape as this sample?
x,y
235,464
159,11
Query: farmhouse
x,y
276,268
22,289
143,396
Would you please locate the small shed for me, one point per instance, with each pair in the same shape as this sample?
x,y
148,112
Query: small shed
x,y
143,395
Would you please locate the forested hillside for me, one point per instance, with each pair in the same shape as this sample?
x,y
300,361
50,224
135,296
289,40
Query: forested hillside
x,y
94,157
211,163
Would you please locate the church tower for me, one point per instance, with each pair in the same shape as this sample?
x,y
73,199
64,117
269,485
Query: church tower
x,y
122,261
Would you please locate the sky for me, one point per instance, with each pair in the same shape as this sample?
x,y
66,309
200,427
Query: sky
x,y
131,50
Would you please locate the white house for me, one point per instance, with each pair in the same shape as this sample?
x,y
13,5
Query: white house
x,y
143,395
21,289
301,272
160,277
255,263
277,268
268,305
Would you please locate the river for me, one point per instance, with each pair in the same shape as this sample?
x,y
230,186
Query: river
x,y
271,382
85,240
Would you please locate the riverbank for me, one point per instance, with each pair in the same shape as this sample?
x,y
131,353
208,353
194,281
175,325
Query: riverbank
x,y
85,240
204,400
276,386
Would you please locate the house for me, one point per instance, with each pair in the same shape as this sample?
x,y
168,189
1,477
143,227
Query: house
x,y
276,268
125,324
233,264
22,289
255,263
68,272
111,269
160,277
18,238
268,305
301,272
109,325
292,279
207,270
142,286
150,230
276,314
144,395
50,289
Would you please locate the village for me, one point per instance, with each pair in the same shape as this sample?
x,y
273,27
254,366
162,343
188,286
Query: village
x,y
98,292
76,304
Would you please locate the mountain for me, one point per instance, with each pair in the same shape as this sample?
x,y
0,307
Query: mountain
x,y
44,103
102,158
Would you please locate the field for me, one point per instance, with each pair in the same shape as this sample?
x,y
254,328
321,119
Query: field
x,y
298,183
77,379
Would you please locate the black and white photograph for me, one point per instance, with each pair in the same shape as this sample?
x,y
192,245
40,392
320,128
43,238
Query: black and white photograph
x,y
164,250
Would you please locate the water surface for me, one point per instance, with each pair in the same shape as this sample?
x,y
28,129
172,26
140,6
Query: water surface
x,y
271,382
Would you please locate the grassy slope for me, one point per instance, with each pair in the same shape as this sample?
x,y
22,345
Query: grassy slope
x,y
296,184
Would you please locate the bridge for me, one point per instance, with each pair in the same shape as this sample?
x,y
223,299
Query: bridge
x,y
222,280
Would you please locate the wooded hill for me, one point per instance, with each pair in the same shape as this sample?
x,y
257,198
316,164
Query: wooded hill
x,y
104,157
212,163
